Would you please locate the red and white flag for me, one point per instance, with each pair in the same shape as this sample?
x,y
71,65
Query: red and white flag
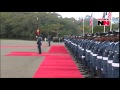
x,y
110,18
91,20
109,15
38,32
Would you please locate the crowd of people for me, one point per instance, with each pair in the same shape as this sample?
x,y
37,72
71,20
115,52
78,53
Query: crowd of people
x,y
97,53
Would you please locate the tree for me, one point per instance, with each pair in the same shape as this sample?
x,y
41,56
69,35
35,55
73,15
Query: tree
x,y
23,25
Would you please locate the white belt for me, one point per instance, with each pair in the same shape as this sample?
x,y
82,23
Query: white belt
x,y
115,64
91,53
94,54
105,50
99,57
109,61
89,50
105,58
116,51
82,49
102,69
83,56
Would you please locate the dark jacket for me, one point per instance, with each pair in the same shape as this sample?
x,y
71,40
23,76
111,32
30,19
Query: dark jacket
x,y
39,41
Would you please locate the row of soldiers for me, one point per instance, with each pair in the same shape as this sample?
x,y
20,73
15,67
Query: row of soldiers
x,y
99,52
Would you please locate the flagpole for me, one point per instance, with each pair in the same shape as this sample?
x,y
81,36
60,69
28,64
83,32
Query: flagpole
x,y
92,22
37,23
111,23
104,19
104,28
83,26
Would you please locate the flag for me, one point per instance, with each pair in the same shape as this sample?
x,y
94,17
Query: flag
x,y
38,32
81,22
110,18
109,15
91,20
104,15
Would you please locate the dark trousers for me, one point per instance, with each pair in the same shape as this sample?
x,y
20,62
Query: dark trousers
x,y
109,70
39,49
115,72
49,43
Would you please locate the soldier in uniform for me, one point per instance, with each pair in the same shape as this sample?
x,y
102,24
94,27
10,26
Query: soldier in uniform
x,y
80,49
97,54
113,48
101,52
105,57
89,45
83,49
115,63
93,55
49,39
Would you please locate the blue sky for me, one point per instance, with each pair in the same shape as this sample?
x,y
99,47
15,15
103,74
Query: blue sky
x,y
76,15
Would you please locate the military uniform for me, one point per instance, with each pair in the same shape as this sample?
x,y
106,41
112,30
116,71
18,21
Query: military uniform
x,y
99,56
105,59
110,58
115,63
49,39
93,56
101,53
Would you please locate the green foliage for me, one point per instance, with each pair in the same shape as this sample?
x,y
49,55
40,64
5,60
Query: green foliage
x,y
23,25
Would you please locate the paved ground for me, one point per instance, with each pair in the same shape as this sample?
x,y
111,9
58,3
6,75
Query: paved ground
x,y
20,66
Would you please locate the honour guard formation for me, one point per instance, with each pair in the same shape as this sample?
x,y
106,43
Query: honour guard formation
x,y
97,54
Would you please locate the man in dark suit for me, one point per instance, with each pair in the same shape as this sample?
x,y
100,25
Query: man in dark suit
x,y
39,43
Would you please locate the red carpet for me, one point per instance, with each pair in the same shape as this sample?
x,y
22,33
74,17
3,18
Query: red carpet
x,y
58,49
58,65
30,54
